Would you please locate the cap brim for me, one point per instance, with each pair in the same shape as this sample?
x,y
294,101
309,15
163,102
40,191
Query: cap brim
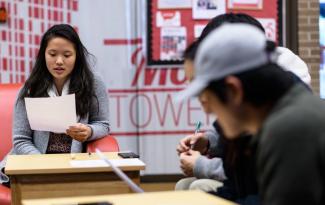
x,y
192,90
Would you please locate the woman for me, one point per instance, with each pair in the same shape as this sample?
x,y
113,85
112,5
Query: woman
x,y
61,68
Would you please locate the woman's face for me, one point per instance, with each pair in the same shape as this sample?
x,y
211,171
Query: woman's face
x,y
60,57
189,73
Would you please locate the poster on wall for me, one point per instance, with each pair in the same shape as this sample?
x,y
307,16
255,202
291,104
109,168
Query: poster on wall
x,y
269,25
173,43
168,18
198,28
207,9
174,4
245,4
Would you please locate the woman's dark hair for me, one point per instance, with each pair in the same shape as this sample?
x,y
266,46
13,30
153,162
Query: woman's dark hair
x,y
229,18
261,86
81,78
190,51
214,23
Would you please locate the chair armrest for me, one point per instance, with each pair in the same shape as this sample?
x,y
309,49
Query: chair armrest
x,y
5,195
105,144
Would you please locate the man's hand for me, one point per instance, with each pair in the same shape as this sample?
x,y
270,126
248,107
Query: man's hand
x,y
79,132
187,160
199,142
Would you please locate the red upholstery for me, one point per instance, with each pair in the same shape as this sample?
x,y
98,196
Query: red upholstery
x,y
5,197
106,144
8,94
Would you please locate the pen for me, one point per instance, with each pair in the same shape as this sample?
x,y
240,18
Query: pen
x,y
197,129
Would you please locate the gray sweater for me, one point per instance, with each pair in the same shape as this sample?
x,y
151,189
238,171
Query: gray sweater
x,y
205,168
28,141
291,151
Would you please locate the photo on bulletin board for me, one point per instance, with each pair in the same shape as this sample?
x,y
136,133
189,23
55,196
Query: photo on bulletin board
x,y
173,43
269,24
168,18
198,28
245,4
207,9
174,4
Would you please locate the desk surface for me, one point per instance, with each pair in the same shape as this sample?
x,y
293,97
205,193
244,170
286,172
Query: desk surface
x,y
58,163
154,198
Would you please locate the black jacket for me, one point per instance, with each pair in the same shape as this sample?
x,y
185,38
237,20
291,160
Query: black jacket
x,y
239,165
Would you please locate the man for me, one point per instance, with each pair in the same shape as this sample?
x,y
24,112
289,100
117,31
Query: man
x,y
203,173
239,164
213,156
250,93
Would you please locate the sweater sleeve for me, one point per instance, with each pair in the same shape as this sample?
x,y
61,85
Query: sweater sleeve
x,y
205,168
213,138
98,115
22,133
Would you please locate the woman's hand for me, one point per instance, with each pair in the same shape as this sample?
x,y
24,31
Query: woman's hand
x,y
79,132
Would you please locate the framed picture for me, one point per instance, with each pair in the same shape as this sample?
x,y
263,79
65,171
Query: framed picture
x,y
245,4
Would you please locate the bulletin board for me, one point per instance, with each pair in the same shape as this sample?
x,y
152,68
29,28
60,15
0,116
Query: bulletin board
x,y
173,24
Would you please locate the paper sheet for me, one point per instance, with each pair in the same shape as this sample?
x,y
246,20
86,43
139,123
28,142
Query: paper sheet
x,y
173,43
207,9
53,114
168,18
174,4
101,163
198,30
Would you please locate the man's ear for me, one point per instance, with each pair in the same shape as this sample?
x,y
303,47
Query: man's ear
x,y
235,93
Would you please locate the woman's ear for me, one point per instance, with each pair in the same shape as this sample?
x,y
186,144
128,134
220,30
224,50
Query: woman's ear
x,y
235,93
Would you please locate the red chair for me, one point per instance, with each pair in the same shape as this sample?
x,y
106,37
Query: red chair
x,y
105,144
8,94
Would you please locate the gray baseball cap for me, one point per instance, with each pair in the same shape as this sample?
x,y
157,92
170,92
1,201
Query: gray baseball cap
x,y
230,49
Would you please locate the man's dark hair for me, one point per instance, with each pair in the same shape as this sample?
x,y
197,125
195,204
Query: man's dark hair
x,y
229,18
262,85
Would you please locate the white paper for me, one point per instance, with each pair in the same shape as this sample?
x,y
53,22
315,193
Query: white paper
x,y
174,4
168,18
53,114
207,9
173,43
133,186
245,4
101,163
198,28
269,25
245,1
